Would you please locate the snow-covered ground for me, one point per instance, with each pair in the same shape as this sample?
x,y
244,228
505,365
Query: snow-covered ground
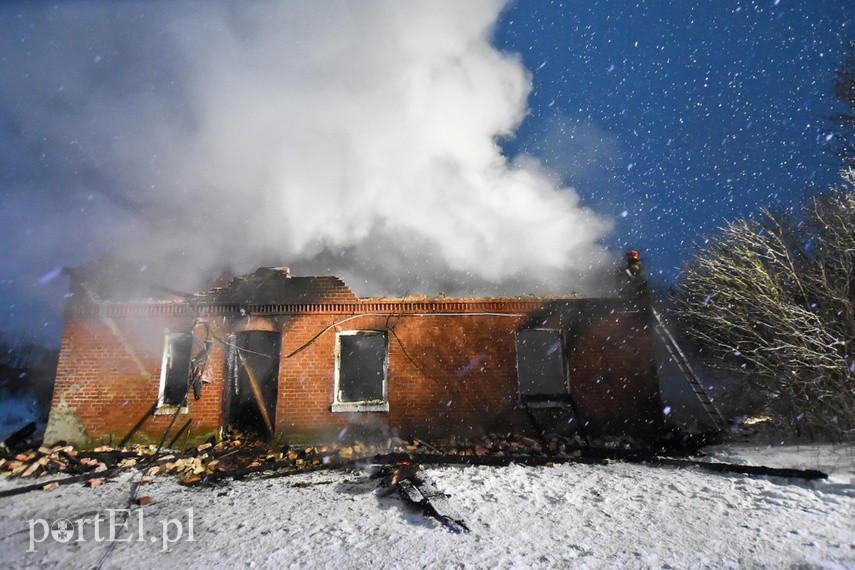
x,y
568,516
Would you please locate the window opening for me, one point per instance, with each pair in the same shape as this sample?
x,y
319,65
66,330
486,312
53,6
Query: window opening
x,y
361,372
175,370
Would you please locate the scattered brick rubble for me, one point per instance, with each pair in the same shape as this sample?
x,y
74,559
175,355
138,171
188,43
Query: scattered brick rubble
x,y
237,456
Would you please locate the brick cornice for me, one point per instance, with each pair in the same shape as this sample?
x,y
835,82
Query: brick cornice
x,y
365,306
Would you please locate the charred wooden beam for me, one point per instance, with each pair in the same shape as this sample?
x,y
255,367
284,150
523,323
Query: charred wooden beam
x,y
401,475
138,425
413,491
259,397
762,470
184,428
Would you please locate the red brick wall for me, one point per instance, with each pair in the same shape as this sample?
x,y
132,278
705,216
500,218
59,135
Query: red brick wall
x,y
457,374
108,378
447,374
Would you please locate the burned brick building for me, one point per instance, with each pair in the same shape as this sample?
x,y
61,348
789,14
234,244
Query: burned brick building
x,y
304,360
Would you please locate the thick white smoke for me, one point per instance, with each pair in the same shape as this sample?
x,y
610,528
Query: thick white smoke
x,y
358,138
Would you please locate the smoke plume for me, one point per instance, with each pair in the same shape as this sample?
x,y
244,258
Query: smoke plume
x,y
355,138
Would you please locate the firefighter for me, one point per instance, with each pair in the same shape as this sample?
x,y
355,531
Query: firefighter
x,y
633,264
634,283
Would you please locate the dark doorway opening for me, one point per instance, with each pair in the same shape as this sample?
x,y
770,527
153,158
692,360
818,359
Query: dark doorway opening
x,y
250,402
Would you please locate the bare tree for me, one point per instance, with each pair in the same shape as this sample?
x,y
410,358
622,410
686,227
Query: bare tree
x,y
773,300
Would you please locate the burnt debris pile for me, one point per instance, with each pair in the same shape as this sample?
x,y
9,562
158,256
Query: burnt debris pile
x,y
237,456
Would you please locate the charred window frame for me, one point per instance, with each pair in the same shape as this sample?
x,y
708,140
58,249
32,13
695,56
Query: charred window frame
x,y
361,371
175,373
541,368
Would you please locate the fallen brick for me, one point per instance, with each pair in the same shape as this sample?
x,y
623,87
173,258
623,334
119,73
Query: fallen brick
x,y
31,469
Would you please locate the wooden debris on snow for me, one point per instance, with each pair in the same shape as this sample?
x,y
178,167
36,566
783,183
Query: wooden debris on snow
x,y
239,456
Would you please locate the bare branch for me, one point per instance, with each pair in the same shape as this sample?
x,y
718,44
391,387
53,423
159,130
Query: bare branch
x,y
774,301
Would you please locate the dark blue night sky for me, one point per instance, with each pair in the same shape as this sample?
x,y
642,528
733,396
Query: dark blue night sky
x,y
703,111
667,117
